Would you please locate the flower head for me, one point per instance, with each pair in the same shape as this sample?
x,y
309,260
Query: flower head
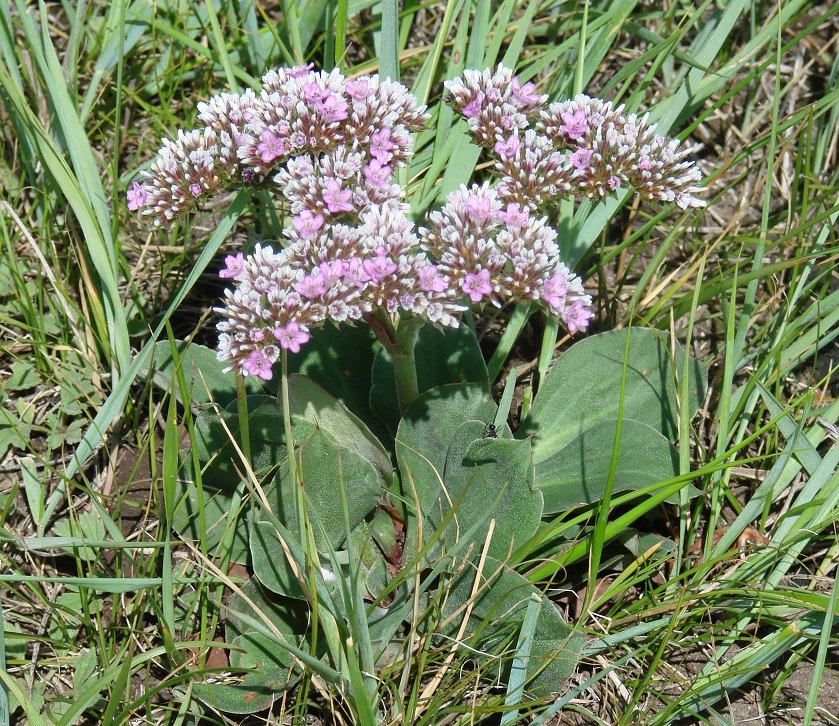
x,y
360,89
136,197
381,145
378,267
333,108
291,336
516,215
431,281
257,364
474,107
525,94
330,148
311,286
234,266
612,149
479,207
509,148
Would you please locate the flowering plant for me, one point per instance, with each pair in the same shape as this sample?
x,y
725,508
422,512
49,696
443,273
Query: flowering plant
x,y
336,152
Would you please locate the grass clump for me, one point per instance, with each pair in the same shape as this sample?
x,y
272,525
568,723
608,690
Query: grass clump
x,y
483,542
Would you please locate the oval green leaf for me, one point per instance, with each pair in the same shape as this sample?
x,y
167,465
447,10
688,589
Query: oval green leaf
x,y
584,388
496,616
579,473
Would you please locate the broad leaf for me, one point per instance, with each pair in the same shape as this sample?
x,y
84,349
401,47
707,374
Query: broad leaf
x,y
270,562
488,479
425,434
369,540
325,466
273,667
215,432
341,360
584,388
203,372
579,473
219,513
309,402
496,613
254,602
255,692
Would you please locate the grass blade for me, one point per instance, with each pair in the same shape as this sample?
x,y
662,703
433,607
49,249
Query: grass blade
x,y
115,403
518,671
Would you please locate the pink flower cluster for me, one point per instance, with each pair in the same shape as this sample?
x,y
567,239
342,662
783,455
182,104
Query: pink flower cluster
x,y
583,146
336,272
498,252
299,114
330,146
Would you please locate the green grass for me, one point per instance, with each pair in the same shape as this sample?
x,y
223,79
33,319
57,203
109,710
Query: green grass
x,y
103,622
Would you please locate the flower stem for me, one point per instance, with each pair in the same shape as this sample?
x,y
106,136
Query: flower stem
x,y
404,362
400,342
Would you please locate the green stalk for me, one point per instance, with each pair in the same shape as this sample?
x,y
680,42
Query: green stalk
x,y
404,362
399,342
305,538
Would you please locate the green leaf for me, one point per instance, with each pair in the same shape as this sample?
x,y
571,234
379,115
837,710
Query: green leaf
x,y
584,388
253,602
312,409
255,692
426,432
223,469
218,503
388,40
428,427
16,641
442,357
578,473
309,402
497,614
214,445
487,479
324,466
639,544
85,666
78,392
33,487
273,666
88,526
24,376
366,539
70,435
14,432
270,562
341,360
204,373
